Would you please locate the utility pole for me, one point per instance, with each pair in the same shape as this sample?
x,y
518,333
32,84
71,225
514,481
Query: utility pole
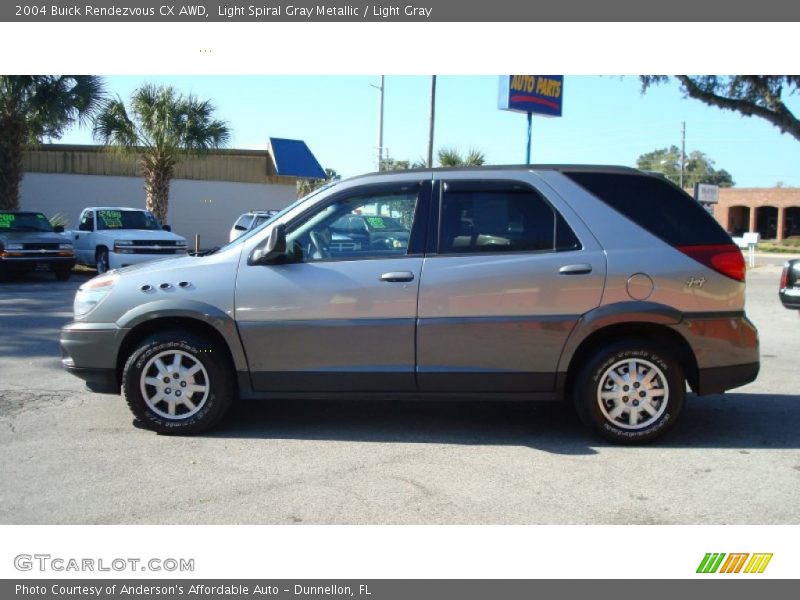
x,y
380,122
433,116
683,150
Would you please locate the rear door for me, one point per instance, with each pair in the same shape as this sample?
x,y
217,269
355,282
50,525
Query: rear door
x,y
504,283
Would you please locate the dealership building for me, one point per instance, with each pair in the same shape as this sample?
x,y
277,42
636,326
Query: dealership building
x,y
207,194
772,212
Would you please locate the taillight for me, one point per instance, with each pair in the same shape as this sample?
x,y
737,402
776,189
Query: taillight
x,y
785,276
723,258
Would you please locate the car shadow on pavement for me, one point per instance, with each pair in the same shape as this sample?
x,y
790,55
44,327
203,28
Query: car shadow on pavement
x,y
737,421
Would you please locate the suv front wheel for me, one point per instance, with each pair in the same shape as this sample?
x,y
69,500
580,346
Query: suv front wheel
x,y
178,383
630,392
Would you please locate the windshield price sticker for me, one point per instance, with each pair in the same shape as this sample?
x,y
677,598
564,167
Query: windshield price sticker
x,y
112,219
6,220
376,222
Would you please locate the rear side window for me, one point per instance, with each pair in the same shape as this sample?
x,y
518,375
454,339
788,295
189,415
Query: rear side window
x,y
655,205
500,217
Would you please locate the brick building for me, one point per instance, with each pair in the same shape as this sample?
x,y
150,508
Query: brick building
x,y
772,212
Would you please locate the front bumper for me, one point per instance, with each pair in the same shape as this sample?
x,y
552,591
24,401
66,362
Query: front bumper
x,y
89,351
31,261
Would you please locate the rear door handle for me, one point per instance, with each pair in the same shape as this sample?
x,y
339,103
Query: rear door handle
x,y
578,269
394,276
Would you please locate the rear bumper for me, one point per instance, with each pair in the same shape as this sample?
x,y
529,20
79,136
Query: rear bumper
x,y
726,350
790,298
716,380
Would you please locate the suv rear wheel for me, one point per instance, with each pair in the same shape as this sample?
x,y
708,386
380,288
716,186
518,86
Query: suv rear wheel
x,y
178,383
630,392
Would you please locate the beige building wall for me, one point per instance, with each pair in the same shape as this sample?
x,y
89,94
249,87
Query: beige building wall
x,y
773,212
205,208
207,195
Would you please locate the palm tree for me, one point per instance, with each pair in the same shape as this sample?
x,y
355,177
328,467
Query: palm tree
x,y
450,157
35,107
161,126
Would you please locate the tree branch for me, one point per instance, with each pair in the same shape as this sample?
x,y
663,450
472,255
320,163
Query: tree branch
x,y
780,116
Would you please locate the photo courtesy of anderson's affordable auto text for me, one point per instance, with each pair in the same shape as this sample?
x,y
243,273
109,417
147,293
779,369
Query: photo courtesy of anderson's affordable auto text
x,y
268,331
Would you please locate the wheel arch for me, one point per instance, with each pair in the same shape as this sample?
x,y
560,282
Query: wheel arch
x,y
209,322
640,320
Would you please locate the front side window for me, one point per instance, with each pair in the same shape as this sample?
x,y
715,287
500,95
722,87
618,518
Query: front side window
x,y
500,218
372,225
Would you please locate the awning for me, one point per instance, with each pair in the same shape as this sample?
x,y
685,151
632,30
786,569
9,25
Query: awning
x,y
293,158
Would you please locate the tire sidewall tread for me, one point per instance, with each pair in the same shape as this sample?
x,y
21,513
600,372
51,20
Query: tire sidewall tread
x,y
585,396
221,393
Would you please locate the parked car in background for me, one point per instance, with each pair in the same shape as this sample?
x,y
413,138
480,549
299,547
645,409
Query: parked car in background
x,y
604,285
373,231
111,237
28,241
250,220
789,290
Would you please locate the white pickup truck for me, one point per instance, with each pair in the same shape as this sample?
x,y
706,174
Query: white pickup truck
x,y
111,237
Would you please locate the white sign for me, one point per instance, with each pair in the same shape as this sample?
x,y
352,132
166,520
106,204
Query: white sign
x,y
706,193
751,239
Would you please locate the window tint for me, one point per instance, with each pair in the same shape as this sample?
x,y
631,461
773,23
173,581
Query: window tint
x,y
341,230
655,205
500,218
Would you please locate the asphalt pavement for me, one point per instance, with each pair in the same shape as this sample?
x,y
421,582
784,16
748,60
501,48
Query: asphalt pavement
x,y
71,456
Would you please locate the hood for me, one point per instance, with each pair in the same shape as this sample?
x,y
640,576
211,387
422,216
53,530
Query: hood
x,y
34,237
143,234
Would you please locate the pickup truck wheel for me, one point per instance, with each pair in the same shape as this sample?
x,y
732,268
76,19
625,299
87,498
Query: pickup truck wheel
x,y
630,392
101,261
177,383
63,273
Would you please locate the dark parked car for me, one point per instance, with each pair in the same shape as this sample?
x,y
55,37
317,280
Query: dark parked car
x,y
790,284
374,232
28,241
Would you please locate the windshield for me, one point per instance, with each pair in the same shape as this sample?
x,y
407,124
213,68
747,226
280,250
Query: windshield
x,y
24,221
126,219
246,236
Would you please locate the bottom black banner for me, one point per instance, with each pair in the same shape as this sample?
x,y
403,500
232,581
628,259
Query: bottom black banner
x,y
391,589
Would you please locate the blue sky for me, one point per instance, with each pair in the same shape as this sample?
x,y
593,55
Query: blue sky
x,y
606,120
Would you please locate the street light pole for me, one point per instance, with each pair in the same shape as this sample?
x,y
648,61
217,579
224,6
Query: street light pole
x,y
683,150
380,122
433,116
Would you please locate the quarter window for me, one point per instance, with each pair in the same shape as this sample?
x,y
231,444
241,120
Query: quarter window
x,y
500,218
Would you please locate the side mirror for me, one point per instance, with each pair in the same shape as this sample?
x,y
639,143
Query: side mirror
x,y
271,248
58,229
166,227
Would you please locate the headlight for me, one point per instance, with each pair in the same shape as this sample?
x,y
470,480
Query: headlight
x,y
65,246
123,242
92,293
180,243
14,247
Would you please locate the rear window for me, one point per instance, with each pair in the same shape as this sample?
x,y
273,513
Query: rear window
x,y
655,205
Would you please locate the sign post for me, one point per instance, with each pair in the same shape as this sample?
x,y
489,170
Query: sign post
x,y
531,94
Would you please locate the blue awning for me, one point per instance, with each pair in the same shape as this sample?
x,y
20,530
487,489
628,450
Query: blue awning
x,y
293,158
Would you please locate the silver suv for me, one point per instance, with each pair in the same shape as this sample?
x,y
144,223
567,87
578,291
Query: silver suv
x,y
607,286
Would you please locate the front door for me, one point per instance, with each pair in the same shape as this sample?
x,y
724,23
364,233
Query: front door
x,y
339,314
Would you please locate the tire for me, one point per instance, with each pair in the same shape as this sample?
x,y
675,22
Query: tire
x,y
172,407
625,411
63,273
101,260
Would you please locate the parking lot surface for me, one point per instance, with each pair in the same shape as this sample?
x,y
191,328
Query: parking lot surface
x,y
71,456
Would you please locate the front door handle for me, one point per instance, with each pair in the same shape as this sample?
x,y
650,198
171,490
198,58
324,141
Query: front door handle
x,y
394,276
578,269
